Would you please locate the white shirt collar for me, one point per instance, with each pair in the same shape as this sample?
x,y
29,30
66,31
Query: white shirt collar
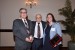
x,y
37,23
23,19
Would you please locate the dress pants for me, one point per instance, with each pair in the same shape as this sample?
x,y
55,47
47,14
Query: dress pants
x,y
37,44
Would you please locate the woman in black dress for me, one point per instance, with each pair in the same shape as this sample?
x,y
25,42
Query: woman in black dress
x,y
52,27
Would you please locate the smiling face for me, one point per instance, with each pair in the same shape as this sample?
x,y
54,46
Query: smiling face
x,y
49,18
23,13
38,18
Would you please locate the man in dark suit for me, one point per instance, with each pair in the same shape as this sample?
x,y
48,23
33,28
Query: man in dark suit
x,y
22,30
38,26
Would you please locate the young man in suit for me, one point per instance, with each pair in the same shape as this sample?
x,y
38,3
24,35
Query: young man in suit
x,y
38,26
22,30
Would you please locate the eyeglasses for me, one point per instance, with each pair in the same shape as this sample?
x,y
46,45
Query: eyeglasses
x,y
23,12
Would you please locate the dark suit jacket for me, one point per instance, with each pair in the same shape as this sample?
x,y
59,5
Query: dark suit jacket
x,y
34,23
20,33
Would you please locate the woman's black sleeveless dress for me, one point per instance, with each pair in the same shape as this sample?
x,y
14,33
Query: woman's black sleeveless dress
x,y
47,45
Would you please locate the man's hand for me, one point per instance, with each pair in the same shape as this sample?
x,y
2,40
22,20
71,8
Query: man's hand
x,y
29,39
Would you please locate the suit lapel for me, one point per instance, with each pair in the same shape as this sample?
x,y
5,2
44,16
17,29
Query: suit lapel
x,y
22,24
34,23
28,23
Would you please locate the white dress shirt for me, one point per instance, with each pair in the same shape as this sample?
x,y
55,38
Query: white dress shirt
x,y
41,30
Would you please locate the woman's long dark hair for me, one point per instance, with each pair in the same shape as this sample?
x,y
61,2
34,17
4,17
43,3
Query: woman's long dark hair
x,y
53,19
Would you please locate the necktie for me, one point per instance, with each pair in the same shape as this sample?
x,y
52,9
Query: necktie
x,y
38,32
27,27
26,24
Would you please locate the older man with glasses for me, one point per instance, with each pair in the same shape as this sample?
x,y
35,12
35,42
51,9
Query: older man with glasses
x,y
22,30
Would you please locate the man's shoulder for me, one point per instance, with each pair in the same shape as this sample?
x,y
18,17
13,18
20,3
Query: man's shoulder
x,y
43,22
17,20
33,21
28,20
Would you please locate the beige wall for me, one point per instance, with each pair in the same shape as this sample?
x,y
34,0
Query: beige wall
x,y
7,39
9,12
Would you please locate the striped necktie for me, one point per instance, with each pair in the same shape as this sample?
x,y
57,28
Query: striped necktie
x,y
27,27
38,30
